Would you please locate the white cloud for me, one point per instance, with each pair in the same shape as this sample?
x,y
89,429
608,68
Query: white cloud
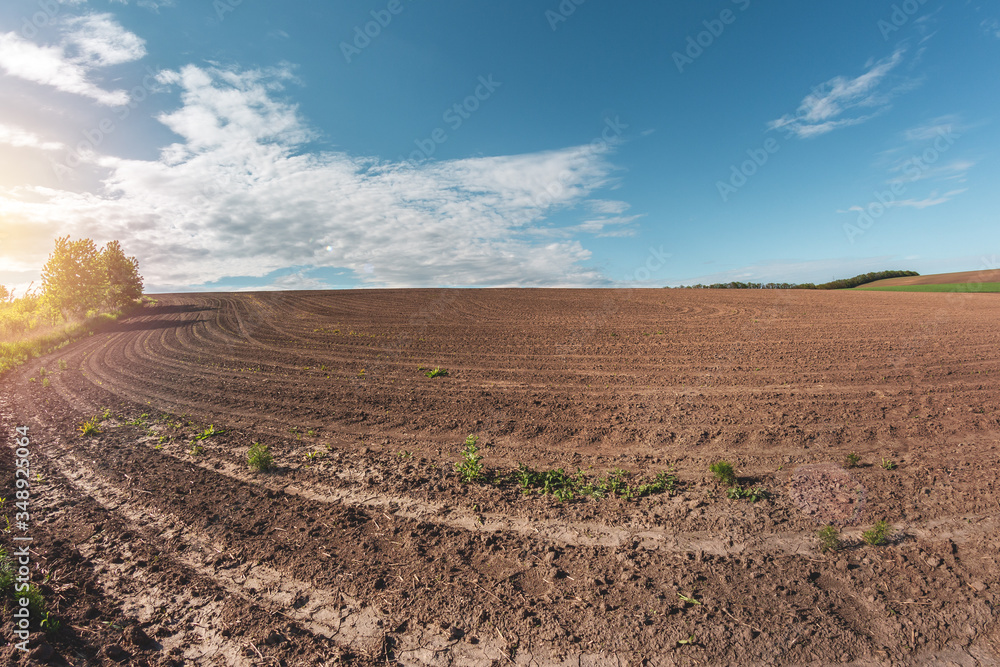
x,y
608,206
933,200
941,126
20,138
237,196
842,102
87,42
99,41
153,5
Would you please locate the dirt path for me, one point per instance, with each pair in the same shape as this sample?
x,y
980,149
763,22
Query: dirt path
x,y
370,550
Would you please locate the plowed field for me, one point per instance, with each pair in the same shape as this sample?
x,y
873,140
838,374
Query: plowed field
x,y
155,542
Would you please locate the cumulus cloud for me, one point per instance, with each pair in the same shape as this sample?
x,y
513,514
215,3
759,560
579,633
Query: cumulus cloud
x,y
87,43
842,101
238,195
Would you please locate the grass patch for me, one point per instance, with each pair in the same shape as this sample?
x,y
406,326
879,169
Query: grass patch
x,y
437,372
616,484
724,472
878,535
974,288
37,340
829,539
10,597
259,457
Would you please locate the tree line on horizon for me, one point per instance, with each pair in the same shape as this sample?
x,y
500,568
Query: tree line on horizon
x,y
844,283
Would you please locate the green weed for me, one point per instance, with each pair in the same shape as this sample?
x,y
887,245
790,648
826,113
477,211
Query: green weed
x,y
437,372
90,427
63,365
196,450
888,464
259,457
209,432
723,471
829,539
752,494
852,460
470,468
615,484
878,535
688,599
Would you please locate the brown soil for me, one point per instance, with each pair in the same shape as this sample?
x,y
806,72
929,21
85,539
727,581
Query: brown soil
x,y
372,550
984,276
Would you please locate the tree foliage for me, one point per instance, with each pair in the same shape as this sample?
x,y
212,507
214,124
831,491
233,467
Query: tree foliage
x,y
79,278
124,281
845,283
74,280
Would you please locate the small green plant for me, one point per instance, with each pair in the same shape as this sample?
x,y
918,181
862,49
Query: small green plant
x,y
90,427
723,471
470,468
259,457
49,624
42,372
688,599
45,382
437,372
690,641
209,432
753,494
196,450
63,365
888,464
312,456
878,535
852,460
106,414
829,539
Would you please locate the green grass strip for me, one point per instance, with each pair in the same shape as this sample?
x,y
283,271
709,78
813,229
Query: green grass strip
x,y
952,287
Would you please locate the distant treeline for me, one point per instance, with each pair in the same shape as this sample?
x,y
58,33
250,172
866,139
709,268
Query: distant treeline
x,y
845,283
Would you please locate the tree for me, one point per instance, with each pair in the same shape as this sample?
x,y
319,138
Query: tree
x,y
4,294
74,279
124,281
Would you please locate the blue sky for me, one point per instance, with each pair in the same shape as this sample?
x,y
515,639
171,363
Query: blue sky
x,y
238,145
